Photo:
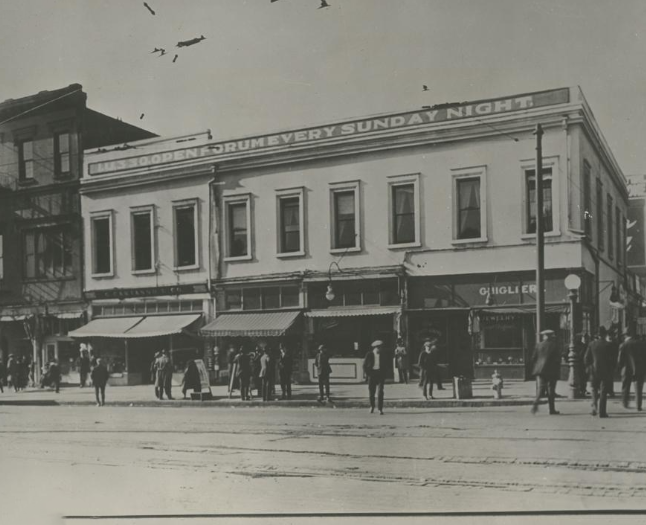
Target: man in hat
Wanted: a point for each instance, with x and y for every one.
(401, 360)
(266, 374)
(428, 367)
(84, 365)
(547, 368)
(323, 370)
(99, 380)
(600, 361)
(373, 368)
(632, 364)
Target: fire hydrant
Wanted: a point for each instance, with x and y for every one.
(496, 384)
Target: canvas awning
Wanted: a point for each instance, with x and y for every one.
(266, 324)
(159, 325)
(354, 312)
(135, 327)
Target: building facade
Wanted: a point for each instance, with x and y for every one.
(147, 259)
(412, 224)
(41, 232)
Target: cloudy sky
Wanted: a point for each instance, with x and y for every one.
(266, 66)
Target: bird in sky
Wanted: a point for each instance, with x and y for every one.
(191, 42)
(141, 116)
(149, 8)
(324, 4)
(175, 58)
(424, 87)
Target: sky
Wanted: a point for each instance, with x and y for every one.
(266, 66)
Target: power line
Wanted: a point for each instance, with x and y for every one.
(40, 106)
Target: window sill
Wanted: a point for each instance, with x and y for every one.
(287, 255)
(190, 268)
(345, 250)
(528, 236)
(102, 275)
(152, 271)
(27, 182)
(404, 245)
(238, 259)
(478, 240)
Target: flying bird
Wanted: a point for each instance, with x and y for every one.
(424, 87)
(142, 116)
(191, 42)
(149, 8)
(175, 58)
(324, 4)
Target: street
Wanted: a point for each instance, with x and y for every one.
(130, 461)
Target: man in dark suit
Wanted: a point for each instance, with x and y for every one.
(373, 368)
(266, 374)
(600, 361)
(285, 372)
(547, 368)
(323, 370)
(632, 364)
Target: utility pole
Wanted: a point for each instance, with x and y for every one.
(540, 239)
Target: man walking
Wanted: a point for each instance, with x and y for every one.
(266, 372)
(84, 365)
(12, 371)
(373, 368)
(55, 375)
(153, 375)
(243, 362)
(323, 370)
(547, 368)
(285, 372)
(427, 363)
(632, 364)
(168, 374)
(99, 380)
(401, 360)
(600, 362)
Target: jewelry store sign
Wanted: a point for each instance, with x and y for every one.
(403, 121)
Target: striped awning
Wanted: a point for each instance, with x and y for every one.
(114, 327)
(354, 312)
(135, 327)
(265, 324)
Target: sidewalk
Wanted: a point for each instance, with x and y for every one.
(343, 396)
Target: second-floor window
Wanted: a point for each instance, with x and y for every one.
(47, 254)
(102, 244)
(290, 224)
(142, 240)
(345, 233)
(530, 188)
(468, 196)
(185, 235)
(26, 160)
(62, 153)
(237, 221)
(587, 201)
(403, 213)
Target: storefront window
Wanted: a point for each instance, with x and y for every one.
(502, 334)
(251, 299)
(270, 298)
(289, 296)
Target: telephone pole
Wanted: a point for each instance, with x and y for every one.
(540, 239)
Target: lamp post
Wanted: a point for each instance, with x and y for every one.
(329, 293)
(573, 283)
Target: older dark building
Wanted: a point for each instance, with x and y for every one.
(42, 138)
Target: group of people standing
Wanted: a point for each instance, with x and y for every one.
(17, 373)
(161, 371)
(602, 357)
(258, 369)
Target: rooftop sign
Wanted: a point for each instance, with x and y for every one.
(411, 119)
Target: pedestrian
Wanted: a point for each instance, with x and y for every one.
(243, 368)
(255, 370)
(231, 355)
(632, 364)
(323, 370)
(285, 372)
(84, 365)
(160, 375)
(373, 368)
(428, 367)
(191, 379)
(12, 369)
(614, 338)
(93, 360)
(266, 373)
(3, 373)
(168, 374)
(99, 380)
(547, 368)
(153, 375)
(23, 373)
(600, 363)
(55, 375)
(401, 360)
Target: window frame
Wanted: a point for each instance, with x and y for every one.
(342, 187)
(587, 201)
(229, 200)
(618, 235)
(187, 203)
(44, 237)
(472, 172)
(548, 163)
(601, 240)
(94, 216)
(22, 162)
(139, 210)
(57, 153)
(281, 195)
(404, 180)
(610, 226)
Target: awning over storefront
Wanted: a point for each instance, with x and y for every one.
(135, 327)
(354, 312)
(159, 325)
(266, 324)
(109, 327)
(521, 309)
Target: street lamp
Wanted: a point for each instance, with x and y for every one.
(329, 293)
(573, 283)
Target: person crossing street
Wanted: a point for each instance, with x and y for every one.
(373, 368)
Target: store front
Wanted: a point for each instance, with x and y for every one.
(487, 323)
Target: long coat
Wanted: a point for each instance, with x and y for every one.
(322, 363)
(401, 357)
(99, 375)
(547, 360)
(266, 368)
(600, 360)
(632, 359)
(163, 372)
